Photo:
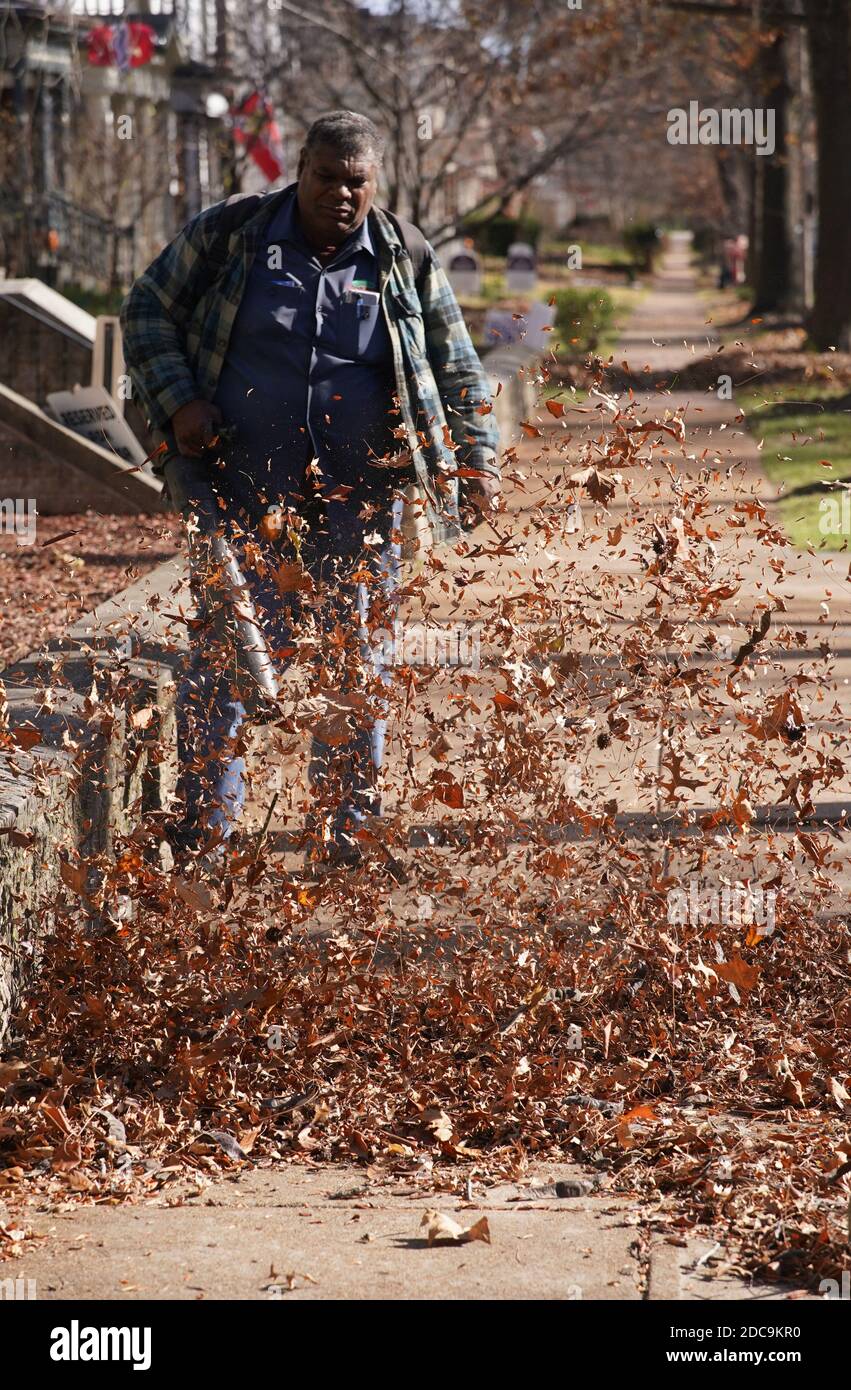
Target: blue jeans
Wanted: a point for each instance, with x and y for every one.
(214, 700)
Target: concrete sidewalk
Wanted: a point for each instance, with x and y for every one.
(331, 1233)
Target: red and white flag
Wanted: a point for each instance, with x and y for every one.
(125, 46)
(255, 128)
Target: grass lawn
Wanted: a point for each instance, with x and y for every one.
(599, 253)
(800, 426)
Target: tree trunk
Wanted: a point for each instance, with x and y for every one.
(771, 261)
(829, 38)
(733, 191)
(754, 220)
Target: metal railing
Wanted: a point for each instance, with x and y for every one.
(53, 233)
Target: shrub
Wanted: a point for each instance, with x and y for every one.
(641, 241)
(494, 236)
(94, 301)
(582, 318)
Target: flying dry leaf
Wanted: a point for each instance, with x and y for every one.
(446, 789)
(141, 718)
(74, 875)
(737, 972)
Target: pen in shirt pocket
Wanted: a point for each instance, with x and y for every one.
(365, 301)
(359, 294)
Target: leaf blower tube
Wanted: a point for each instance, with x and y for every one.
(218, 581)
(230, 589)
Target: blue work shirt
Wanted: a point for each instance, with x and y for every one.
(309, 370)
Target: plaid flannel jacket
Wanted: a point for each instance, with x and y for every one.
(177, 320)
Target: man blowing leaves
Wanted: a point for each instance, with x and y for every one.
(314, 339)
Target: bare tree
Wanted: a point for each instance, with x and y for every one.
(478, 100)
(829, 37)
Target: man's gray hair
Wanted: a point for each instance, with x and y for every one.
(347, 133)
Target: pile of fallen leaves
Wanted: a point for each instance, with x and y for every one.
(543, 984)
(682, 1061)
(74, 563)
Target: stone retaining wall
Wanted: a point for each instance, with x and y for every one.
(63, 801)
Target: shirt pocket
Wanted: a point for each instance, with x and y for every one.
(361, 333)
(283, 300)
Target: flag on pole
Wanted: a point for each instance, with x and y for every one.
(255, 128)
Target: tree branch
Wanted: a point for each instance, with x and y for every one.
(777, 14)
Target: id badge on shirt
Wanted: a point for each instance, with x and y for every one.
(366, 301)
